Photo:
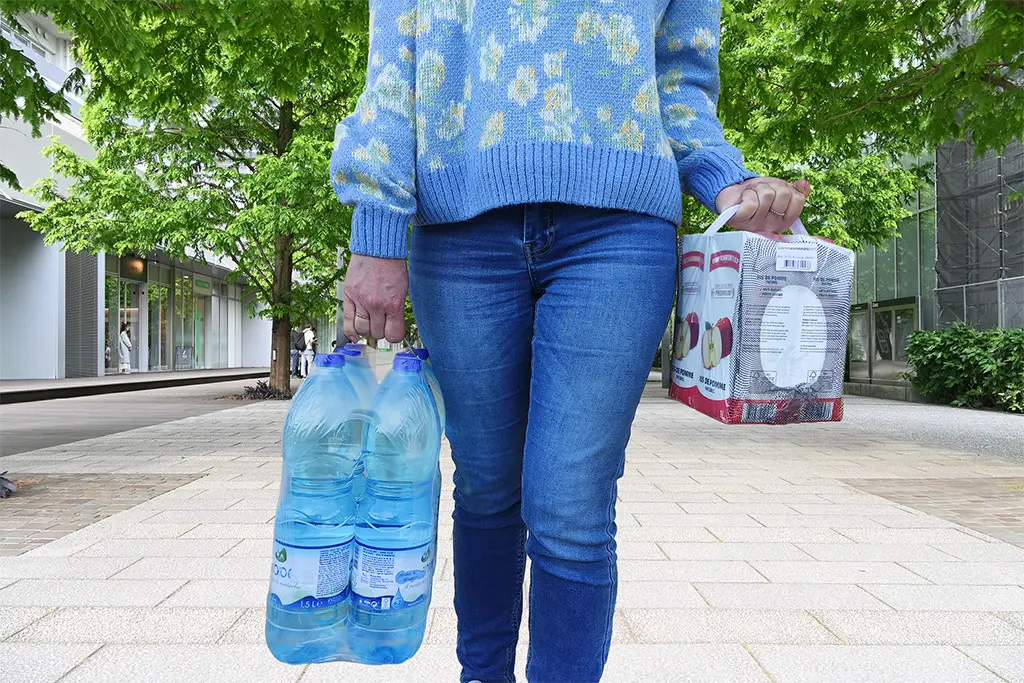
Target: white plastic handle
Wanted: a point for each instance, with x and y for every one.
(723, 218)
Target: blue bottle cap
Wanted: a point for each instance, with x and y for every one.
(330, 360)
(354, 349)
(407, 361)
(348, 352)
(423, 354)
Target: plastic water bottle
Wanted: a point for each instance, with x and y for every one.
(315, 524)
(359, 370)
(428, 370)
(395, 547)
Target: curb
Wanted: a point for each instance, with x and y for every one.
(28, 395)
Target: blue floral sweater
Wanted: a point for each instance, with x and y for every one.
(475, 104)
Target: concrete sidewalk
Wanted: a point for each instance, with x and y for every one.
(803, 553)
(21, 391)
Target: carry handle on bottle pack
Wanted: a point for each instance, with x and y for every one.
(761, 324)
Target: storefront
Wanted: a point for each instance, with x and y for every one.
(178, 318)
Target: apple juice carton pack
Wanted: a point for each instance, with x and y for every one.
(761, 325)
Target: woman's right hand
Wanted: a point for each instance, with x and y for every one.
(374, 299)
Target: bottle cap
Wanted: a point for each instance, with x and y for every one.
(407, 361)
(423, 354)
(330, 360)
(351, 349)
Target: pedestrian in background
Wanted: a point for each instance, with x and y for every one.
(124, 349)
(298, 342)
(308, 350)
(541, 150)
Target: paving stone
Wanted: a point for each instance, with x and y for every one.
(725, 626)
(988, 552)
(973, 573)
(683, 519)
(87, 593)
(675, 534)
(874, 552)
(136, 530)
(28, 567)
(780, 535)
(13, 619)
(32, 664)
(129, 625)
(1015, 618)
(250, 627)
(251, 547)
(920, 628)
(869, 663)
(176, 547)
(237, 531)
(950, 598)
(639, 550)
(733, 551)
(211, 593)
(196, 516)
(695, 663)
(788, 596)
(1005, 660)
(662, 594)
(794, 521)
(171, 663)
(835, 572)
(901, 536)
(227, 568)
(687, 570)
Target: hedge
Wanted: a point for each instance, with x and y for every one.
(962, 366)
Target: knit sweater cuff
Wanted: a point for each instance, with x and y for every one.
(713, 172)
(379, 232)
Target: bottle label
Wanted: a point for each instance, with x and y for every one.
(388, 579)
(304, 577)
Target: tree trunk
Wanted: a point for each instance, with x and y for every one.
(280, 363)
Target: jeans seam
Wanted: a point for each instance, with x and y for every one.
(517, 606)
(610, 617)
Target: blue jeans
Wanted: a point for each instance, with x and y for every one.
(295, 362)
(542, 322)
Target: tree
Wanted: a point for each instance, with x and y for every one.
(213, 133)
(838, 91)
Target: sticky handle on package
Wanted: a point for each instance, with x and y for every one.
(797, 228)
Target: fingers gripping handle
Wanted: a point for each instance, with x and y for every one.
(797, 228)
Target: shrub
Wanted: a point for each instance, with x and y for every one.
(962, 366)
(264, 392)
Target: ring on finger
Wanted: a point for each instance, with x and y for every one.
(361, 316)
(772, 211)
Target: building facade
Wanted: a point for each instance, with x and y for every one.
(959, 257)
(60, 312)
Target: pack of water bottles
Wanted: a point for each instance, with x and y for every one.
(355, 537)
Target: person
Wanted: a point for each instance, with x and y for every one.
(298, 345)
(124, 349)
(309, 349)
(540, 152)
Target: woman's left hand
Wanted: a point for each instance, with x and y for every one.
(766, 204)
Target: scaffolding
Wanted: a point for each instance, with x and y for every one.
(979, 236)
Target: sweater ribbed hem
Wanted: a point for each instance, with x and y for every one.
(534, 172)
(705, 173)
(379, 232)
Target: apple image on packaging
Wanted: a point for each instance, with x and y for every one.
(716, 343)
(687, 334)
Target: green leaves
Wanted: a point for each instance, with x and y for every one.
(962, 366)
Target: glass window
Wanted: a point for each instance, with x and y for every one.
(184, 322)
(885, 272)
(865, 275)
(927, 246)
(111, 312)
(908, 271)
(159, 317)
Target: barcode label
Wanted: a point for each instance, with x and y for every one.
(796, 256)
(758, 412)
(816, 412)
